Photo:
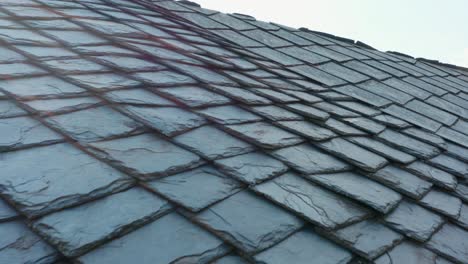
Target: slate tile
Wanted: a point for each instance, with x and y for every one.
(10, 109)
(334, 96)
(443, 203)
(276, 113)
(407, 88)
(145, 156)
(230, 259)
(336, 56)
(335, 110)
(206, 75)
(309, 160)
(402, 181)
(425, 136)
(354, 154)
(137, 97)
(453, 136)
(425, 85)
(168, 239)
(75, 38)
(231, 22)
(237, 38)
(368, 239)
(457, 151)
(129, 209)
(407, 144)
(194, 96)
(342, 72)
(386, 68)
(359, 188)
(450, 242)
(19, 69)
(7, 213)
(463, 218)
(367, 70)
(321, 207)
(364, 95)
(249, 222)
(308, 130)
(382, 149)
(385, 91)
(301, 248)
(432, 112)
(317, 75)
(63, 105)
(461, 126)
(440, 84)
(447, 106)
(276, 96)
(435, 175)
(462, 192)
(365, 124)
(276, 56)
(19, 245)
(51, 24)
(201, 20)
(457, 99)
(342, 128)
(8, 55)
(391, 121)
(212, 143)
(228, 115)
(413, 117)
(94, 124)
(242, 95)
(451, 165)
(265, 135)
(24, 36)
(409, 252)
(308, 111)
(303, 55)
(360, 108)
(266, 38)
(103, 81)
(129, 64)
(195, 189)
(403, 68)
(37, 186)
(312, 37)
(164, 78)
(71, 66)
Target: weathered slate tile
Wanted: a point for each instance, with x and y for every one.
(75, 38)
(303, 55)
(237, 38)
(342, 128)
(386, 68)
(348, 51)
(342, 72)
(309, 160)
(382, 149)
(447, 106)
(354, 154)
(167, 120)
(425, 85)
(37, 186)
(8, 55)
(137, 97)
(409, 252)
(231, 21)
(413, 117)
(275, 95)
(276, 113)
(7, 213)
(365, 124)
(312, 202)
(57, 106)
(457, 99)
(413, 221)
(360, 188)
(385, 91)
(451, 165)
(194, 96)
(301, 248)
(364, 95)
(462, 192)
(71, 66)
(312, 37)
(435, 175)
(336, 56)
(145, 156)
(228, 115)
(453, 136)
(103, 81)
(368, 238)
(94, 124)
(391, 121)
(366, 69)
(24, 36)
(443, 203)
(450, 242)
(10, 109)
(402, 181)
(407, 88)
(305, 96)
(129, 210)
(212, 143)
(308, 130)
(283, 33)
(432, 112)
(20, 245)
(461, 126)
(317, 75)
(242, 95)
(265, 135)
(334, 96)
(22, 132)
(457, 151)
(230, 259)
(168, 239)
(407, 144)
(462, 219)
(251, 168)
(164, 78)
(266, 38)
(308, 111)
(246, 220)
(335, 110)
(425, 136)
(129, 64)
(276, 56)
(195, 189)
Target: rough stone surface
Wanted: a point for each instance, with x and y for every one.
(450, 241)
(402, 181)
(443, 203)
(409, 252)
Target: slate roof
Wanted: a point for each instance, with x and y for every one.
(161, 132)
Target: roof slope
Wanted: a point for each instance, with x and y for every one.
(161, 132)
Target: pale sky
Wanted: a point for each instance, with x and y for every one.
(433, 29)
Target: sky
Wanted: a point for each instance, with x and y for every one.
(432, 29)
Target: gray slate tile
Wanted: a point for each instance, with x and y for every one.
(365, 124)
(63, 105)
(129, 210)
(276, 113)
(242, 95)
(451, 165)
(385, 91)
(435, 175)
(304, 55)
(454, 136)
(249, 222)
(382, 149)
(317, 75)
(137, 97)
(407, 144)
(103, 81)
(432, 112)
(371, 193)
(426, 136)
(447, 106)
(308, 111)
(402, 181)
(276, 56)
(450, 241)
(194, 96)
(409, 252)
(230, 259)
(414, 221)
(443, 203)
(316, 204)
(37, 186)
(228, 115)
(7, 213)
(195, 189)
(413, 117)
(364, 95)
(301, 248)
(308, 130)
(164, 78)
(328, 53)
(342, 128)
(407, 88)
(342, 72)
(266, 38)
(391, 121)
(367, 70)
(335, 110)
(10, 109)
(170, 238)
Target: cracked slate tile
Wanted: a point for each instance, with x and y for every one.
(312, 202)
(228, 115)
(171, 238)
(251, 168)
(303, 247)
(103, 81)
(342, 72)
(212, 143)
(451, 165)
(360, 188)
(310, 160)
(18, 244)
(7, 55)
(308, 111)
(443, 203)
(195, 189)
(23, 132)
(265, 135)
(450, 241)
(169, 121)
(145, 156)
(94, 124)
(249, 222)
(409, 252)
(10, 109)
(413, 221)
(462, 220)
(7, 213)
(276, 113)
(37, 186)
(365, 124)
(129, 209)
(462, 192)
(308, 130)
(194, 96)
(435, 175)
(402, 181)
(407, 144)
(137, 97)
(353, 154)
(368, 238)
